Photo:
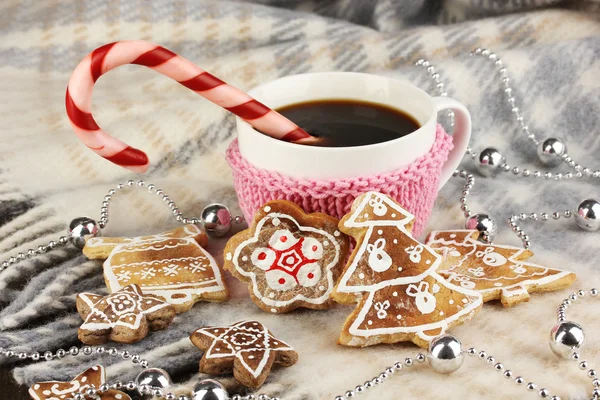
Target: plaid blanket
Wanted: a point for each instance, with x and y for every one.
(47, 177)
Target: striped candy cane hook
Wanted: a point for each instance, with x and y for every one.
(103, 59)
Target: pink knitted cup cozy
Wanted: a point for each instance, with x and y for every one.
(414, 186)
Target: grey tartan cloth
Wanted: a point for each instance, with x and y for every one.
(47, 177)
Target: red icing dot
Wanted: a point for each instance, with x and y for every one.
(281, 281)
(310, 275)
(262, 256)
(314, 248)
(283, 239)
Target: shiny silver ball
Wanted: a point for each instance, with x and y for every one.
(445, 354)
(81, 229)
(154, 378)
(588, 215)
(209, 389)
(550, 151)
(565, 338)
(484, 224)
(488, 162)
(216, 219)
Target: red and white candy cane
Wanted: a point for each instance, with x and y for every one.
(105, 58)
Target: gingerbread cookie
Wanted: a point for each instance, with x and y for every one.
(393, 278)
(497, 272)
(290, 259)
(247, 348)
(125, 316)
(92, 377)
(172, 265)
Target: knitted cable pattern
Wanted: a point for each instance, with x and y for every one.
(414, 186)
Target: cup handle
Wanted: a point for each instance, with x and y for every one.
(460, 137)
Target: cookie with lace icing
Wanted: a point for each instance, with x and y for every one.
(289, 259)
(93, 377)
(172, 265)
(393, 278)
(247, 348)
(125, 316)
(498, 272)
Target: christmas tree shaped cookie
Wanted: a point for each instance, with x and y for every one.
(497, 272)
(393, 278)
(171, 265)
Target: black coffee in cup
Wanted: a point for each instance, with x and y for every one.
(347, 123)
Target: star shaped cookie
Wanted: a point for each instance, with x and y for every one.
(92, 377)
(125, 316)
(498, 272)
(247, 348)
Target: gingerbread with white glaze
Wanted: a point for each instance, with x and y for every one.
(498, 272)
(172, 265)
(93, 377)
(289, 259)
(125, 316)
(247, 348)
(393, 278)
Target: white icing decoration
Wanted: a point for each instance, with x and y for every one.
(379, 260)
(262, 340)
(382, 308)
(379, 208)
(267, 208)
(276, 222)
(309, 275)
(414, 253)
(379, 198)
(537, 274)
(185, 291)
(312, 248)
(280, 280)
(282, 240)
(469, 308)
(328, 269)
(424, 300)
(228, 256)
(263, 257)
(345, 287)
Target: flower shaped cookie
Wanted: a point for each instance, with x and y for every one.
(290, 259)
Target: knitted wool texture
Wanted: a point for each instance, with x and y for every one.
(414, 186)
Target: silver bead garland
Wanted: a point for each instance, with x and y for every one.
(445, 355)
(216, 220)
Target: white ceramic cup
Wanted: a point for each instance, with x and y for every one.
(327, 163)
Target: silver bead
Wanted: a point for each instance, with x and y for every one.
(588, 215)
(153, 378)
(445, 354)
(488, 162)
(565, 338)
(482, 223)
(209, 389)
(216, 219)
(81, 229)
(550, 151)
